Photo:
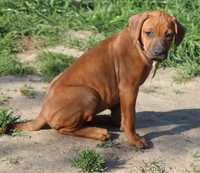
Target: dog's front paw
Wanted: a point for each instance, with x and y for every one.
(139, 142)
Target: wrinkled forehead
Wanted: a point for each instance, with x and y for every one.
(159, 24)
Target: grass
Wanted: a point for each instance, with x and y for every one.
(7, 118)
(195, 165)
(153, 89)
(10, 66)
(196, 156)
(81, 44)
(28, 91)
(89, 161)
(3, 99)
(107, 144)
(51, 19)
(11, 159)
(179, 92)
(51, 64)
(156, 166)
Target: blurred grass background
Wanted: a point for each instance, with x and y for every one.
(49, 20)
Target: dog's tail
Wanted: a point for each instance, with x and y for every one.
(32, 125)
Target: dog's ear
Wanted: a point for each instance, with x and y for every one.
(135, 23)
(179, 31)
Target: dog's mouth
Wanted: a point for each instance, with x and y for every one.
(159, 58)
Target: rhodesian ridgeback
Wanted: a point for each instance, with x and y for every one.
(108, 76)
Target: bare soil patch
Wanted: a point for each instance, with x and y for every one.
(168, 114)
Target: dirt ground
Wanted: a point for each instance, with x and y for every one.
(168, 114)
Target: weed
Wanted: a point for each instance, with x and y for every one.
(150, 89)
(3, 99)
(195, 165)
(89, 161)
(51, 64)
(84, 44)
(196, 156)
(28, 91)
(156, 166)
(9, 65)
(7, 118)
(178, 92)
(15, 132)
(107, 144)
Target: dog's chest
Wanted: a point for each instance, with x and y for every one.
(144, 74)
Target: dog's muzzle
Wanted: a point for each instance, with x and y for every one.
(159, 52)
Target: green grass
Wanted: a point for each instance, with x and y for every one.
(10, 66)
(178, 91)
(89, 161)
(3, 99)
(51, 64)
(153, 89)
(81, 44)
(196, 162)
(108, 144)
(28, 91)
(7, 118)
(51, 19)
(156, 166)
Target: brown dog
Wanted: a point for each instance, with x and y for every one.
(108, 76)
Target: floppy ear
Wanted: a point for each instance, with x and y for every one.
(179, 32)
(135, 23)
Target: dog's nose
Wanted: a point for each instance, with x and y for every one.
(159, 51)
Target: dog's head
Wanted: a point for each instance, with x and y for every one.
(155, 31)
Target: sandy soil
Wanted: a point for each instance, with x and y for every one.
(168, 114)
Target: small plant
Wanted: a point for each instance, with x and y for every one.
(196, 156)
(10, 66)
(51, 64)
(195, 165)
(150, 90)
(107, 144)
(154, 167)
(178, 92)
(15, 132)
(7, 119)
(84, 44)
(89, 161)
(28, 91)
(3, 99)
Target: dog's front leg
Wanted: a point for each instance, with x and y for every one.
(128, 96)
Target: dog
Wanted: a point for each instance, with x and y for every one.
(108, 76)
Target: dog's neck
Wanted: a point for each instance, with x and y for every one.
(125, 39)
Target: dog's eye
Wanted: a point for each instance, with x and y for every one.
(169, 35)
(149, 33)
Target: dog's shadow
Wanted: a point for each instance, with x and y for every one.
(182, 120)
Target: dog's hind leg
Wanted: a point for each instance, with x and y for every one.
(87, 132)
(79, 107)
